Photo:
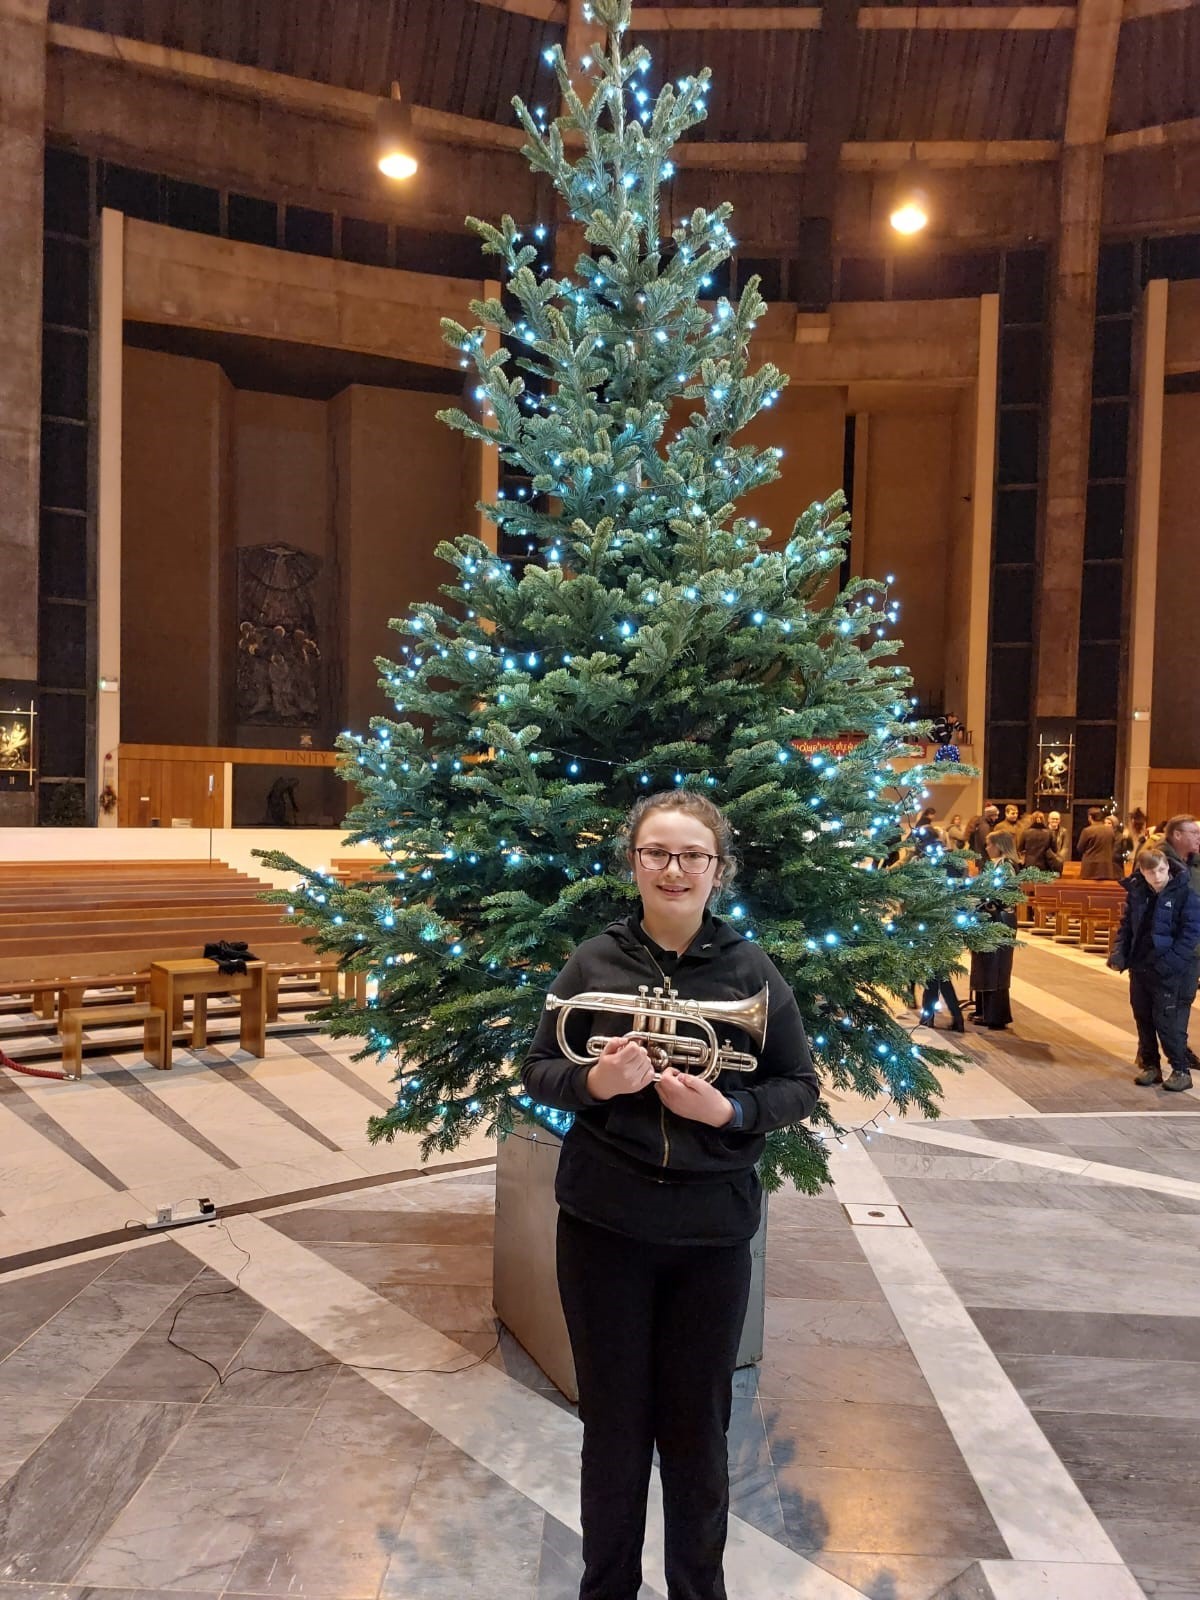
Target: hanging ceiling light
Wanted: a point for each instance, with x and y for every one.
(910, 199)
(396, 153)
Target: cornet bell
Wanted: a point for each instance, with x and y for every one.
(655, 1021)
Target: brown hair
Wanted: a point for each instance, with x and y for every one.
(1038, 819)
(1173, 823)
(1150, 858)
(692, 805)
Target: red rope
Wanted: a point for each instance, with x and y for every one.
(33, 1072)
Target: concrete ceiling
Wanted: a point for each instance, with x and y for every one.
(934, 73)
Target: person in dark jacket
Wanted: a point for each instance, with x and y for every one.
(659, 1198)
(991, 972)
(1035, 845)
(1060, 838)
(1156, 945)
(1181, 846)
(977, 831)
(1096, 846)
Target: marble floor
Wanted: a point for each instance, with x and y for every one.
(981, 1373)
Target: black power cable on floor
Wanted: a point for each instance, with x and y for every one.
(317, 1366)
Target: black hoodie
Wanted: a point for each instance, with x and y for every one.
(630, 1164)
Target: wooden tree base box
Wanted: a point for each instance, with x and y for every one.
(524, 1283)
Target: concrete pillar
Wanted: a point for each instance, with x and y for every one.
(483, 461)
(974, 712)
(108, 506)
(1073, 319)
(22, 141)
(858, 495)
(22, 123)
(1072, 335)
(1139, 695)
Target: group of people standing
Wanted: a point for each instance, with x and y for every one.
(1157, 943)
(1039, 839)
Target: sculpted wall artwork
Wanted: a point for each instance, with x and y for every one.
(278, 659)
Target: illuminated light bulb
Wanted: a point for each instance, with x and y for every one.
(395, 151)
(910, 202)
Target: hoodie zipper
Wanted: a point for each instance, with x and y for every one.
(662, 1110)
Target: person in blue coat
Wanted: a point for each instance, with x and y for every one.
(1156, 945)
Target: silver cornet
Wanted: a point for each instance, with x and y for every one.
(655, 1019)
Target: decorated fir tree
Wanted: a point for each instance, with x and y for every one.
(659, 639)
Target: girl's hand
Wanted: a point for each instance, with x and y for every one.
(623, 1067)
(694, 1098)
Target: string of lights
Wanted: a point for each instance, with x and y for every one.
(630, 633)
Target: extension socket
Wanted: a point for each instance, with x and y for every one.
(167, 1217)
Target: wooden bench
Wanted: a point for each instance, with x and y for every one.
(50, 998)
(153, 1038)
(68, 928)
(171, 982)
(325, 971)
(1099, 924)
(359, 869)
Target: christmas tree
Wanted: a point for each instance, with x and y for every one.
(658, 639)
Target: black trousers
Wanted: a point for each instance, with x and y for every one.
(654, 1331)
(943, 987)
(1162, 1009)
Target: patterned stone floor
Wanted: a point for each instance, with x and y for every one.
(1001, 1399)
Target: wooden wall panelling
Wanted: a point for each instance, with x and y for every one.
(161, 789)
(1171, 791)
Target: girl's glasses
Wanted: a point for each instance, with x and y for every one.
(694, 862)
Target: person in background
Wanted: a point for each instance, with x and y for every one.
(1060, 839)
(1136, 837)
(659, 1199)
(991, 972)
(1156, 945)
(1012, 816)
(1180, 843)
(1121, 843)
(926, 837)
(1001, 845)
(1096, 848)
(977, 831)
(939, 992)
(1035, 845)
(1181, 846)
(956, 834)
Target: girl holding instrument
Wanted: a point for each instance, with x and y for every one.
(658, 1194)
